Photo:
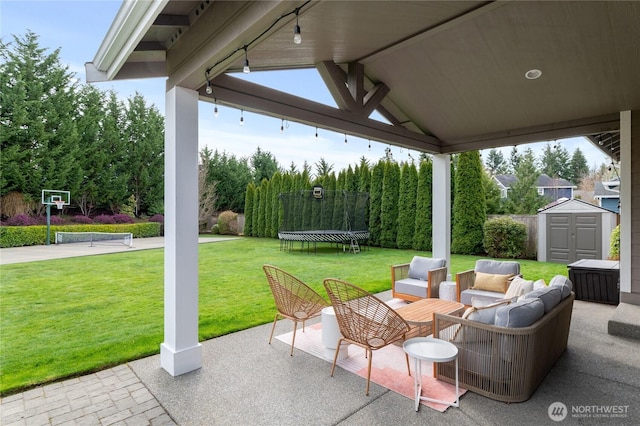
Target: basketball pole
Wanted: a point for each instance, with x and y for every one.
(48, 224)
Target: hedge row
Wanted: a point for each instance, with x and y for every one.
(18, 236)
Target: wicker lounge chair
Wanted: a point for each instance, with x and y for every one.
(294, 299)
(364, 320)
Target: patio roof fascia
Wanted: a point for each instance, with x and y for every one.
(131, 23)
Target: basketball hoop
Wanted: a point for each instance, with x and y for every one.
(59, 204)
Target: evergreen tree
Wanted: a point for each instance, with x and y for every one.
(263, 200)
(389, 210)
(39, 139)
(496, 164)
(264, 165)
(422, 239)
(514, 159)
(555, 161)
(248, 209)
(523, 197)
(232, 176)
(492, 194)
(469, 205)
(255, 215)
(375, 203)
(113, 179)
(144, 134)
(407, 206)
(579, 168)
(275, 187)
(323, 168)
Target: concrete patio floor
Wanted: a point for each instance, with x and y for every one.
(246, 381)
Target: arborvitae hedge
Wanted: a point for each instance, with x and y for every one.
(407, 206)
(389, 212)
(275, 189)
(469, 206)
(248, 209)
(375, 203)
(423, 226)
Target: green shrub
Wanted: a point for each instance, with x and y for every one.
(614, 250)
(505, 238)
(215, 229)
(228, 223)
(18, 236)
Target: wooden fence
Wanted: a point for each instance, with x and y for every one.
(531, 222)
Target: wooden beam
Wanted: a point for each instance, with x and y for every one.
(336, 81)
(355, 83)
(254, 97)
(373, 98)
(551, 131)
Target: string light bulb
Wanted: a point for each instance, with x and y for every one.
(316, 132)
(246, 68)
(215, 108)
(345, 138)
(369, 144)
(242, 117)
(297, 36)
(209, 89)
(282, 127)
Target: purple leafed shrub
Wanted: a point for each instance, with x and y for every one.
(104, 218)
(122, 218)
(54, 220)
(157, 218)
(82, 219)
(21, 220)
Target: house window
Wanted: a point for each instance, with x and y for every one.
(540, 191)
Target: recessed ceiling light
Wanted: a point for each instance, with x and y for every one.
(532, 74)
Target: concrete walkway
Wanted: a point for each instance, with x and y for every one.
(245, 381)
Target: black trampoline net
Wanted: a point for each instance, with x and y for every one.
(320, 210)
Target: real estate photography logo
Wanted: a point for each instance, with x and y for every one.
(558, 411)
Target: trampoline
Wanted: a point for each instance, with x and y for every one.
(322, 216)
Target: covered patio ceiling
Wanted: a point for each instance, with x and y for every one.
(448, 76)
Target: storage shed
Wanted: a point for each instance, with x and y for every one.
(572, 230)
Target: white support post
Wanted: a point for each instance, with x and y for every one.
(181, 352)
(441, 207)
(626, 170)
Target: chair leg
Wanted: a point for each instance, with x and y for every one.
(370, 352)
(406, 355)
(293, 340)
(273, 327)
(335, 356)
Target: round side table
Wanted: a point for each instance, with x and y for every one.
(433, 350)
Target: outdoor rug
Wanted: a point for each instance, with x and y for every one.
(388, 367)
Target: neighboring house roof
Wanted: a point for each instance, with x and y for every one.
(600, 191)
(544, 181)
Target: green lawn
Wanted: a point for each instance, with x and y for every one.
(67, 317)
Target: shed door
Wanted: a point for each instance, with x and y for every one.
(574, 236)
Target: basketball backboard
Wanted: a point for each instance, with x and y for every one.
(52, 197)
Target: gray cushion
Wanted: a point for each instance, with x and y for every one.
(484, 310)
(550, 296)
(497, 267)
(520, 314)
(412, 286)
(420, 266)
(467, 295)
(564, 283)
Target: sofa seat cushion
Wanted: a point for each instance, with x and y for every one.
(520, 314)
(467, 295)
(550, 296)
(420, 266)
(412, 286)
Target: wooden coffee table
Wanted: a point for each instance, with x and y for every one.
(419, 314)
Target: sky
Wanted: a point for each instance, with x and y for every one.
(78, 27)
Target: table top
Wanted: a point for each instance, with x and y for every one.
(595, 264)
(430, 349)
(421, 311)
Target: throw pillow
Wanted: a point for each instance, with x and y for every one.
(520, 314)
(518, 287)
(492, 282)
(539, 284)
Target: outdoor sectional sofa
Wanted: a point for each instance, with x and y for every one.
(508, 363)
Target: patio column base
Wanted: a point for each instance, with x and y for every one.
(182, 361)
